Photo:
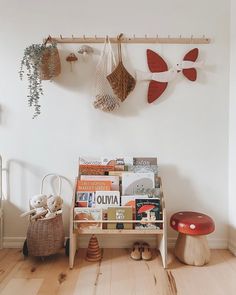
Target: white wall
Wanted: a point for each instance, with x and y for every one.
(232, 133)
(187, 127)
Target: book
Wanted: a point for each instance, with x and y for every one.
(88, 214)
(93, 185)
(130, 200)
(119, 214)
(119, 163)
(105, 199)
(148, 210)
(133, 182)
(95, 169)
(113, 179)
(144, 161)
(85, 199)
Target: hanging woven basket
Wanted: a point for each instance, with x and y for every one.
(50, 63)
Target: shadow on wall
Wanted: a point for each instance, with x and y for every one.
(180, 195)
(21, 179)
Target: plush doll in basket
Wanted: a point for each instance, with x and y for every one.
(38, 207)
(54, 206)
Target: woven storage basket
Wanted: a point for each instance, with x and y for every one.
(50, 64)
(46, 236)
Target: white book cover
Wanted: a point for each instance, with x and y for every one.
(117, 161)
(105, 199)
(132, 183)
(114, 180)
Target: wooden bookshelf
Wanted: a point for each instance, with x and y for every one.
(75, 233)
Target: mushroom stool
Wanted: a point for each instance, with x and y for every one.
(191, 246)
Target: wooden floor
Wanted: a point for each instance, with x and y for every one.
(115, 274)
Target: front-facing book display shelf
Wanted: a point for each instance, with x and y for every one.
(105, 226)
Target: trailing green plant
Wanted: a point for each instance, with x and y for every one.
(41, 62)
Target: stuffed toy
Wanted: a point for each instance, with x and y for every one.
(38, 205)
(54, 205)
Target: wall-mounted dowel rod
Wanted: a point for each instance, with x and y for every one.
(134, 40)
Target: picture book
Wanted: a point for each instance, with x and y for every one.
(119, 163)
(148, 210)
(93, 185)
(133, 182)
(85, 199)
(90, 161)
(95, 169)
(130, 200)
(105, 199)
(119, 214)
(113, 179)
(88, 214)
(144, 161)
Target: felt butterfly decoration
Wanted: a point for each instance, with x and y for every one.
(161, 75)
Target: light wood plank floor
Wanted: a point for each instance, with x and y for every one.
(115, 274)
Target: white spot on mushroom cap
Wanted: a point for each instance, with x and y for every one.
(200, 216)
(181, 213)
(173, 222)
(192, 226)
(181, 225)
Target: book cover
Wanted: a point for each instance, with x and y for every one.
(148, 210)
(95, 169)
(119, 214)
(85, 199)
(93, 185)
(88, 214)
(90, 161)
(105, 199)
(113, 179)
(133, 182)
(144, 161)
(119, 163)
(130, 200)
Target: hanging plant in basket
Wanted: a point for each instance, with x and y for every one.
(42, 62)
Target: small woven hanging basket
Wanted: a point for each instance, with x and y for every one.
(50, 63)
(121, 81)
(45, 236)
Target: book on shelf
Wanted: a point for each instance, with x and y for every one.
(85, 199)
(88, 214)
(113, 179)
(133, 182)
(105, 199)
(119, 214)
(148, 210)
(95, 169)
(144, 161)
(93, 185)
(130, 200)
(119, 163)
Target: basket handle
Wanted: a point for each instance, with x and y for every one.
(59, 182)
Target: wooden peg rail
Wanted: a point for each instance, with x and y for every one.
(134, 40)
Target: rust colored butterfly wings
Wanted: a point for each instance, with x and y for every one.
(162, 74)
(156, 64)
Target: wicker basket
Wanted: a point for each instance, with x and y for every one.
(51, 64)
(45, 236)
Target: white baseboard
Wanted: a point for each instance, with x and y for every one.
(232, 247)
(124, 242)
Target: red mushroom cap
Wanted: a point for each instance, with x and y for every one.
(192, 223)
(145, 208)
